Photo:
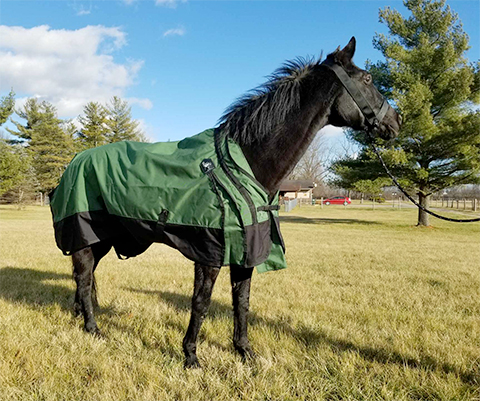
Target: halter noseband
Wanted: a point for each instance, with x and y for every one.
(373, 115)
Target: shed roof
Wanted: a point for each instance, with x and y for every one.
(296, 185)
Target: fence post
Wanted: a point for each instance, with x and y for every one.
(321, 202)
(474, 205)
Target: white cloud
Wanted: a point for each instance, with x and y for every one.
(174, 32)
(165, 3)
(66, 67)
(143, 103)
(168, 3)
(83, 11)
(147, 129)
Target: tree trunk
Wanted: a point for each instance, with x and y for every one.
(423, 218)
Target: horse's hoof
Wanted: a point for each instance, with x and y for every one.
(246, 353)
(192, 363)
(94, 331)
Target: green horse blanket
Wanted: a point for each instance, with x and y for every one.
(198, 195)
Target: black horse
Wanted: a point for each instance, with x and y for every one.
(274, 126)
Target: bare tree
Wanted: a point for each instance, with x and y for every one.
(313, 165)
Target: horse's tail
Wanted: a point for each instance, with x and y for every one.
(51, 193)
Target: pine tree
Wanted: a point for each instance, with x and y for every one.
(48, 139)
(7, 106)
(428, 78)
(32, 113)
(94, 130)
(14, 165)
(120, 123)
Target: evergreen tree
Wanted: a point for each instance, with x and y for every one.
(94, 130)
(120, 123)
(48, 139)
(14, 165)
(426, 75)
(32, 113)
(7, 106)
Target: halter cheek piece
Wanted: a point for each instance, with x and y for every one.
(373, 115)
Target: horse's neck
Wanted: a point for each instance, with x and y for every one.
(273, 158)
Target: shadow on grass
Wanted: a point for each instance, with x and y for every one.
(319, 220)
(34, 288)
(29, 286)
(312, 338)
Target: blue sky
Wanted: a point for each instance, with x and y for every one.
(179, 63)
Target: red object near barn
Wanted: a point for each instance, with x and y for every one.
(337, 200)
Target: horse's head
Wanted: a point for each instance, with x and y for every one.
(359, 104)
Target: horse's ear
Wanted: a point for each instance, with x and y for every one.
(349, 50)
(333, 55)
(345, 55)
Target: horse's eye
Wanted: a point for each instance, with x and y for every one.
(368, 79)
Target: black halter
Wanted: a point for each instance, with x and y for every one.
(373, 115)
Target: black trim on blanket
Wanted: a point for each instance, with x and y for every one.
(131, 237)
(259, 243)
(208, 166)
(95, 226)
(232, 178)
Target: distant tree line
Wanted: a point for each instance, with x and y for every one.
(42, 145)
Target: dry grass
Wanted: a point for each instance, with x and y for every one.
(370, 308)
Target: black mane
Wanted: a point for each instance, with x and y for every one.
(256, 114)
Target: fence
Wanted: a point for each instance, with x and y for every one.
(465, 204)
(290, 204)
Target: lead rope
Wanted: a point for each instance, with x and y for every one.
(408, 196)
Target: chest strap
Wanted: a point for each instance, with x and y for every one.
(268, 208)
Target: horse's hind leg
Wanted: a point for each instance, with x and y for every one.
(241, 278)
(205, 277)
(84, 263)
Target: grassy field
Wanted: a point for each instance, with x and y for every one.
(370, 308)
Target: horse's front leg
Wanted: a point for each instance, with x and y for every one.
(241, 278)
(205, 277)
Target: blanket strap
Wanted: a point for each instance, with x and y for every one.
(268, 208)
